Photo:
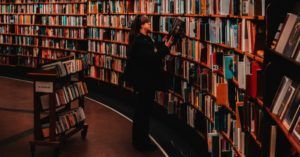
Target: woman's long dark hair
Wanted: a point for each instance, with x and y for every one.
(134, 31)
(135, 28)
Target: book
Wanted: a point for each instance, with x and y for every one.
(284, 85)
(45, 101)
(243, 69)
(229, 67)
(290, 21)
(277, 35)
(293, 40)
(296, 130)
(291, 111)
(294, 119)
(297, 54)
(177, 31)
(57, 66)
(286, 101)
(222, 94)
(272, 152)
(255, 67)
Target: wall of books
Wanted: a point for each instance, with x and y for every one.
(282, 79)
(216, 71)
(44, 29)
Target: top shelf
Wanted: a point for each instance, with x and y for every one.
(260, 18)
(30, 3)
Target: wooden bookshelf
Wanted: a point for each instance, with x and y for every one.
(277, 13)
(175, 94)
(287, 59)
(43, 14)
(198, 110)
(30, 3)
(259, 18)
(109, 41)
(294, 142)
(7, 55)
(111, 55)
(43, 25)
(104, 81)
(258, 143)
(58, 37)
(54, 82)
(43, 36)
(13, 34)
(106, 27)
(89, 12)
(62, 49)
(231, 143)
(229, 109)
(117, 71)
(248, 54)
(17, 45)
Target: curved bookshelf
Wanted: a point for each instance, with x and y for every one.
(231, 143)
(91, 53)
(294, 142)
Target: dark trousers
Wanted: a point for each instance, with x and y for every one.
(141, 119)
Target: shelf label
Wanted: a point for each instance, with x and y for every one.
(44, 87)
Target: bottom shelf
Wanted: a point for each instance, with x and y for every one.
(56, 143)
(63, 136)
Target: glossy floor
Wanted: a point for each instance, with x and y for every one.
(109, 134)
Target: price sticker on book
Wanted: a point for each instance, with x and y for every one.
(44, 87)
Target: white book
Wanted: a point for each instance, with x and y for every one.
(286, 101)
(45, 101)
(224, 7)
(243, 35)
(245, 7)
(273, 141)
(242, 148)
(283, 87)
(251, 8)
(284, 36)
(81, 113)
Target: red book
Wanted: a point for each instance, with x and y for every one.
(255, 67)
(249, 85)
(222, 94)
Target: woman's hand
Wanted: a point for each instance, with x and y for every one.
(168, 44)
(168, 40)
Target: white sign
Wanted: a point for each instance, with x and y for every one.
(44, 87)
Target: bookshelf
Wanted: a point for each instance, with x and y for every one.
(59, 91)
(196, 53)
(41, 30)
(107, 40)
(219, 34)
(279, 124)
(18, 41)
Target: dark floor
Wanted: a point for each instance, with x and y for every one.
(109, 134)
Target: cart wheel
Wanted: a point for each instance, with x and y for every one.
(83, 134)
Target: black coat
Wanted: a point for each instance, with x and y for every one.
(144, 66)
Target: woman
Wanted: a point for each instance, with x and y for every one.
(144, 71)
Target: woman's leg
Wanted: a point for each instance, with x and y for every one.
(140, 128)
